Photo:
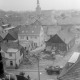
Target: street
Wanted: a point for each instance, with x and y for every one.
(32, 70)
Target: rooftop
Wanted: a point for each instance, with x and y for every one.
(12, 50)
(74, 57)
(66, 35)
(32, 29)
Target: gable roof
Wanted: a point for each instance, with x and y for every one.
(53, 30)
(3, 34)
(74, 57)
(32, 29)
(69, 70)
(66, 35)
(55, 39)
(45, 17)
(69, 20)
(11, 36)
(14, 45)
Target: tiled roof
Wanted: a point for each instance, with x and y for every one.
(65, 35)
(45, 18)
(32, 29)
(69, 20)
(53, 30)
(3, 34)
(11, 36)
(55, 39)
(1, 28)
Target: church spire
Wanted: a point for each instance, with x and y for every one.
(37, 2)
(38, 9)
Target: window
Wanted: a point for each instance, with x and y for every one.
(11, 63)
(22, 51)
(19, 61)
(10, 54)
(27, 37)
(21, 37)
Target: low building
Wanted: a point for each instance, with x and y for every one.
(64, 40)
(52, 30)
(13, 54)
(13, 58)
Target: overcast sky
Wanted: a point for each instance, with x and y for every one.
(22, 5)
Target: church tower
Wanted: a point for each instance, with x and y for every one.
(38, 9)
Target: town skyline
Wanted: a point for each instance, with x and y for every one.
(30, 5)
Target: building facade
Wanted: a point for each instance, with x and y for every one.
(31, 36)
(13, 58)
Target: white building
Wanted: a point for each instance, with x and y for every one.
(13, 57)
(31, 36)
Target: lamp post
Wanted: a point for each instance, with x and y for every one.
(38, 57)
(1, 65)
(38, 66)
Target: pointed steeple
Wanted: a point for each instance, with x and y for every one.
(38, 9)
(37, 2)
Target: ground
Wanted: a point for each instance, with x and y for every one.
(32, 70)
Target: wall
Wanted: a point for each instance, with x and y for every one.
(18, 57)
(8, 63)
(34, 38)
(39, 39)
(71, 43)
(10, 57)
(42, 35)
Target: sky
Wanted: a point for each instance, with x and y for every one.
(28, 5)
